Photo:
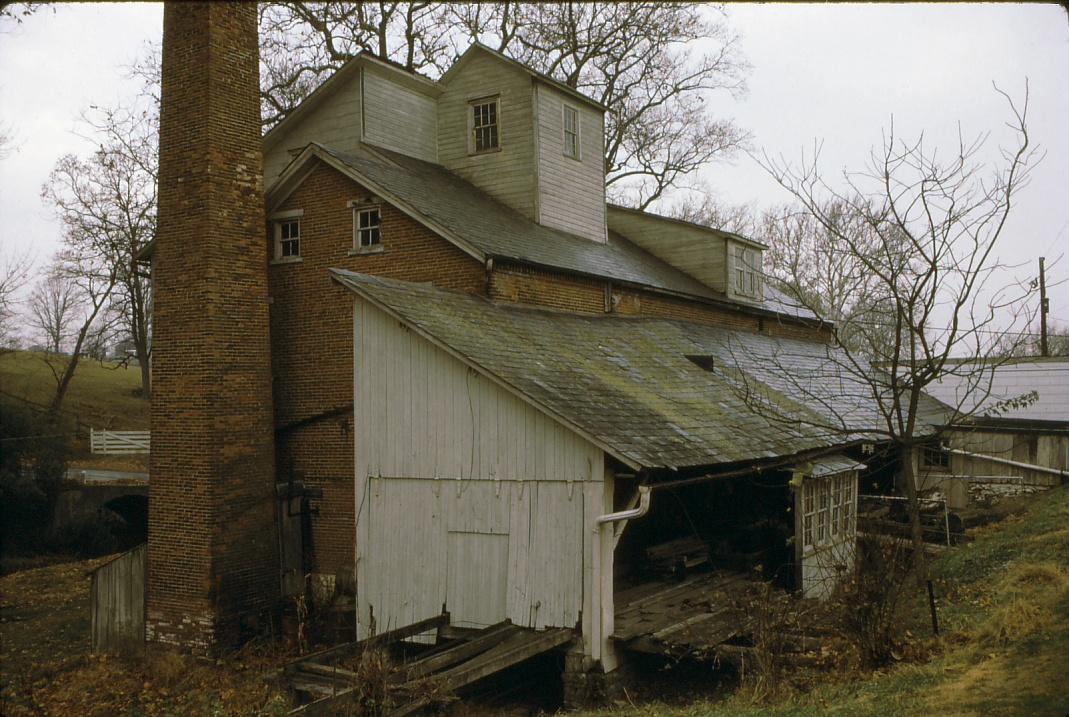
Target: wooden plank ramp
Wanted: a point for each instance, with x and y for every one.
(455, 663)
(681, 618)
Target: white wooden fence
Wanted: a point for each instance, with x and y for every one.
(119, 442)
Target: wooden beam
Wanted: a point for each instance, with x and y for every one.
(491, 637)
(339, 652)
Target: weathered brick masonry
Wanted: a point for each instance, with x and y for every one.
(591, 295)
(213, 547)
(312, 333)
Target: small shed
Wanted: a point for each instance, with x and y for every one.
(500, 450)
(1006, 447)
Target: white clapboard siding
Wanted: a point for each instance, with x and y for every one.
(507, 175)
(571, 192)
(466, 495)
(335, 122)
(399, 118)
(119, 442)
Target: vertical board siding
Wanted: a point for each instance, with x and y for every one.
(466, 496)
(399, 118)
(571, 192)
(507, 175)
(335, 123)
(117, 603)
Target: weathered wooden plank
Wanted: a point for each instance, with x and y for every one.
(339, 652)
(489, 638)
(513, 651)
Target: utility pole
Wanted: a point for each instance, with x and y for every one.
(1044, 306)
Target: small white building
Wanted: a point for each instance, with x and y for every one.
(491, 440)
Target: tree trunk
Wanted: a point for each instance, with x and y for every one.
(146, 376)
(909, 479)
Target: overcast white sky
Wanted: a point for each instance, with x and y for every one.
(832, 72)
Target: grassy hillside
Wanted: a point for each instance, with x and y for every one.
(101, 395)
(1005, 643)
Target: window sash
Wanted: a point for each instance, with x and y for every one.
(571, 132)
(368, 224)
(484, 126)
(287, 238)
(827, 511)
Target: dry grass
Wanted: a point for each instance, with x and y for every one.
(45, 668)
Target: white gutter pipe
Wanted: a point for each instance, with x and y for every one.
(1008, 462)
(641, 510)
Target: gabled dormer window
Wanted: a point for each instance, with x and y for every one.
(483, 115)
(747, 279)
(571, 132)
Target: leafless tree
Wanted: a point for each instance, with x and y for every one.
(638, 59)
(107, 202)
(703, 206)
(90, 279)
(14, 271)
(918, 235)
(53, 306)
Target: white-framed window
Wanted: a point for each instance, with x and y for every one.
(827, 510)
(571, 132)
(286, 235)
(484, 115)
(367, 227)
(746, 279)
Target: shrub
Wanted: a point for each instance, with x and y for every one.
(868, 604)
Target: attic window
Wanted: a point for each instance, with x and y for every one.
(484, 129)
(571, 132)
(706, 363)
(746, 279)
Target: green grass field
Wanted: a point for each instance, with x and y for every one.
(101, 395)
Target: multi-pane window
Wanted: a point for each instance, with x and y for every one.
(287, 238)
(933, 456)
(484, 128)
(745, 271)
(828, 509)
(368, 227)
(571, 132)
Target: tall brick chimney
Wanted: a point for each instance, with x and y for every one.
(213, 545)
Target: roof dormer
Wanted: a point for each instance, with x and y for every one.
(727, 262)
(529, 141)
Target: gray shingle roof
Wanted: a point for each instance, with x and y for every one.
(499, 231)
(629, 384)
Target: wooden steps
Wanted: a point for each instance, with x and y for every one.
(456, 663)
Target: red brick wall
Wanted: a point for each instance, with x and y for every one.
(312, 335)
(212, 544)
(558, 290)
